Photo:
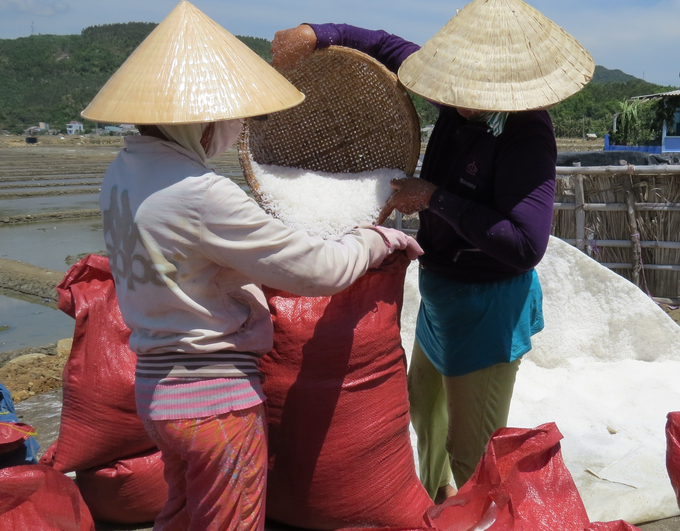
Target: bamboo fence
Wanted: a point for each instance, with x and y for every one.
(625, 217)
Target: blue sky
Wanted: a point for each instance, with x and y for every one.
(636, 36)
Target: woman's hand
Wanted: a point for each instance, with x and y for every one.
(396, 240)
(410, 195)
(292, 45)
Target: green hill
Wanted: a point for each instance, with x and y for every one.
(604, 75)
(591, 110)
(51, 78)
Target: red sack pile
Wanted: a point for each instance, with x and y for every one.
(338, 410)
(673, 451)
(100, 431)
(521, 483)
(36, 497)
(128, 491)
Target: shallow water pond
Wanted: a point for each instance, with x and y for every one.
(48, 244)
(27, 324)
(39, 205)
(94, 187)
(9, 186)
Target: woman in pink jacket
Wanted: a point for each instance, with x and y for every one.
(189, 251)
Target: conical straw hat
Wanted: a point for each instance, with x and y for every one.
(190, 69)
(498, 55)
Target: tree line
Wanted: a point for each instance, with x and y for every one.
(51, 78)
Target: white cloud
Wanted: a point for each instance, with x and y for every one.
(44, 8)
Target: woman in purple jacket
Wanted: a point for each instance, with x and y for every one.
(485, 200)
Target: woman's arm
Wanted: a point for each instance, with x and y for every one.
(390, 50)
(237, 233)
(292, 44)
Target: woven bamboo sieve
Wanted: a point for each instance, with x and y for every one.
(356, 117)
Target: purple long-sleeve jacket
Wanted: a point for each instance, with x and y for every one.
(491, 216)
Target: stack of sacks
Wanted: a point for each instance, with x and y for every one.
(17, 445)
(101, 438)
(605, 370)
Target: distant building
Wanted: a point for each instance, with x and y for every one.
(113, 129)
(73, 128)
(670, 135)
(32, 130)
(43, 126)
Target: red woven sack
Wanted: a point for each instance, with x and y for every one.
(36, 497)
(673, 451)
(130, 491)
(13, 435)
(99, 422)
(337, 408)
(521, 483)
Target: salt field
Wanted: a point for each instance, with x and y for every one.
(49, 244)
(42, 205)
(26, 322)
(29, 324)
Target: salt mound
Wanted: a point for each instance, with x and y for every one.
(605, 370)
(328, 205)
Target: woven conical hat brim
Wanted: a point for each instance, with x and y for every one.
(188, 70)
(498, 55)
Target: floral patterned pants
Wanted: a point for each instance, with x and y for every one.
(216, 470)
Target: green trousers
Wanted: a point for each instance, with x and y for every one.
(454, 417)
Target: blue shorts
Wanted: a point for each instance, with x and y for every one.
(463, 327)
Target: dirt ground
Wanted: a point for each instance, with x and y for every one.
(37, 372)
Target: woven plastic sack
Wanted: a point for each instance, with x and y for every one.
(337, 408)
(36, 497)
(673, 451)
(99, 422)
(17, 445)
(521, 483)
(130, 491)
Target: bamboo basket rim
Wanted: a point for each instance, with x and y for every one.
(329, 90)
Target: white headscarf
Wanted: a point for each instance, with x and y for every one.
(189, 136)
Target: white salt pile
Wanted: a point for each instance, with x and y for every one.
(605, 370)
(328, 205)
